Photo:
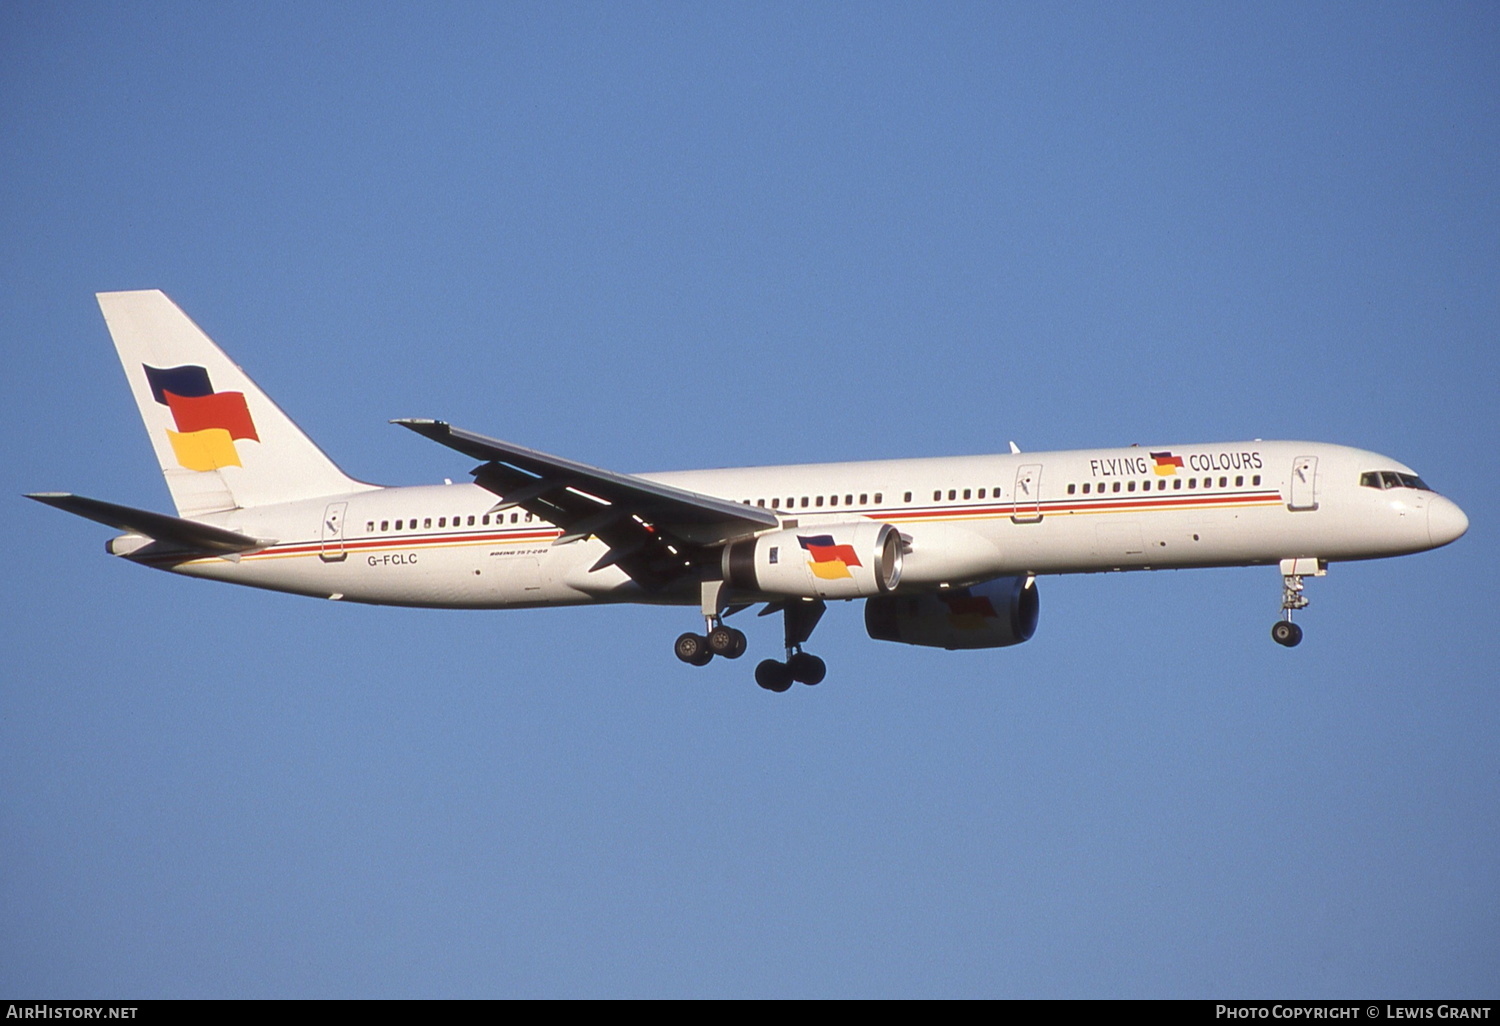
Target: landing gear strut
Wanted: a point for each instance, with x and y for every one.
(1284, 631)
(801, 617)
(720, 639)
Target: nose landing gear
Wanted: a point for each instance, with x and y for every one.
(1284, 631)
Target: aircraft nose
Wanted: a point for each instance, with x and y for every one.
(1445, 521)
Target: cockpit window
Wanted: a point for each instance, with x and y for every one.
(1392, 479)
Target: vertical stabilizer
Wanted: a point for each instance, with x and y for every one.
(221, 442)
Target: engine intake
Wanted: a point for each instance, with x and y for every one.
(990, 615)
(833, 561)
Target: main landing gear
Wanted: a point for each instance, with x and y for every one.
(801, 617)
(1284, 631)
(803, 667)
(720, 640)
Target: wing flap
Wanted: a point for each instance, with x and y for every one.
(655, 533)
(661, 504)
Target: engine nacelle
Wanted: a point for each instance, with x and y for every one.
(989, 615)
(833, 561)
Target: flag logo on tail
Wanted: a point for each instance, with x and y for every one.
(829, 561)
(208, 422)
(1167, 465)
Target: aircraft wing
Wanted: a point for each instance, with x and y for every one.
(652, 529)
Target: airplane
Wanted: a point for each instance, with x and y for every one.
(944, 552)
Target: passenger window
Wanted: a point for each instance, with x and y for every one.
(968, 493)
(1177, 485)
(877, 497)
(1192, 482)
(1116, 488)
(981, 493)
(486, 520)
(427, 522)
(776, 503)
(833, 500)
(1071, 489)
(370, 527)
(514, 517)
(936, 496)
(804, 502)
(864, 498)
(385, 525)
(849, 500)
(1255, 480)
(761, 503)
(1223, 482)
(442, 521)
(907, 499)
(952, 494)
(1239, 482)
(1130, 487)
(1085, 488)
(398, 525)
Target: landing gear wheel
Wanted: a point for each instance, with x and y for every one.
(807, 668)
(1284, 632)
(727, 642)
(773, 675)
(693, 649)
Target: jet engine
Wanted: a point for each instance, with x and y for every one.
(989, 615)
(828, 561)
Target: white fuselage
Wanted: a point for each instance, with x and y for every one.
(963, 519)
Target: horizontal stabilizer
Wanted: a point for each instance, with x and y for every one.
(188, 533)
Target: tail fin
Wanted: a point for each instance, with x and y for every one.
(221, 442)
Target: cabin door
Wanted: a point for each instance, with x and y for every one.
(333, 533)
(1026, 501)
(1304, 483)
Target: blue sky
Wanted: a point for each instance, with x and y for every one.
(664, 236)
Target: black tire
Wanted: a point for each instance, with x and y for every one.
(741, 643)
(773, 675)
(693, 649)
(1286, 633)
(807, 668)
(727, 642)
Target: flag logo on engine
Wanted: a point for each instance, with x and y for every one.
(829, 560)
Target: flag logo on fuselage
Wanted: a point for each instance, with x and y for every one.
(829, 561)
(1167, 465)
(208, 422)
